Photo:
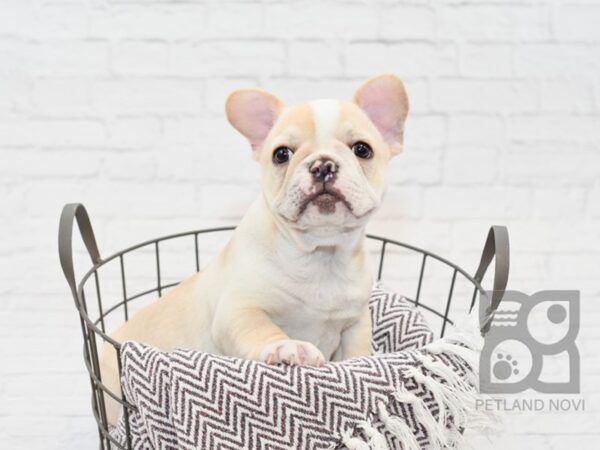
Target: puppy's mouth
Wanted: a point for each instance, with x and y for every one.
(325, 199)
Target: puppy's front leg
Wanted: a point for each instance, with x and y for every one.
(356, 339)
(250, 333)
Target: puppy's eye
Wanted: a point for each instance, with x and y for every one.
(362, 150)
(282, 155)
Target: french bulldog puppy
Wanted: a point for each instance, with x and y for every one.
(293, 283)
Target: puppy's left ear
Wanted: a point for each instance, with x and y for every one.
(253, 113)
(383, 98)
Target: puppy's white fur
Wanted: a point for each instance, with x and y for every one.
(293, 283)
(326, 113)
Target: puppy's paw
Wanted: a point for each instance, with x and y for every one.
(292, 352)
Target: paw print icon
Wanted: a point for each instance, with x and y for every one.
(526, 332)
(505, 367)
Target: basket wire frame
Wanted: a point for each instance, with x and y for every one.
(96, 328)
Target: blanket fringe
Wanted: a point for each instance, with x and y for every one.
(398, 427)
(377, 441)
(464, 345)
(423, 415)
(352, 442)
(455, 395)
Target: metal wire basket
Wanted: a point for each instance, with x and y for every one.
(95, 314)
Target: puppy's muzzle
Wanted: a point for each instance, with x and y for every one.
(324, 170)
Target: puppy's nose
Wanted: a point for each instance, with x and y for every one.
(323, 169)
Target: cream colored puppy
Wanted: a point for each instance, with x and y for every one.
(293, 284)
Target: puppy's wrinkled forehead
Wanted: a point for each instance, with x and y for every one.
(320, 122)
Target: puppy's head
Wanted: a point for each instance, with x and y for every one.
(323, 162)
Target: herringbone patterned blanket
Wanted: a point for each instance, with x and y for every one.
(412, 393)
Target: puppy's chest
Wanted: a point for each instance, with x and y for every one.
(318, 302)
(333, 287)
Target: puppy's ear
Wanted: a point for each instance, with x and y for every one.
(384, 100)
(253, 112)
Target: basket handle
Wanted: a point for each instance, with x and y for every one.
(496, 246)
(71, 212)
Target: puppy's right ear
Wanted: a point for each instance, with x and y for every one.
(253, 113)
(383, 98)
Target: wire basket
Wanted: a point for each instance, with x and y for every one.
(127, 287)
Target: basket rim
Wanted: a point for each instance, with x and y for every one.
(93, 325)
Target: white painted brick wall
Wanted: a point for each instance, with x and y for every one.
(120, 105)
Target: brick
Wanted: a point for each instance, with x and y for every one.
(140, 58)
(59, 21)
(477, 129)
(573, 268)
(418, 94)
(425, 132)
(593, 203)
(578, 22)
(152, 199)
(413, 166)
(181, 162)
(225, 58)
(470, 165)
(574, 441)
(314, 59)
(462, 95)
(406, 59)
(235, 20)
(124, 231)
(160, 96)
(15, 93)
(554, 128)
(72, 58)
(59, 163)
(29, 20)
(213, 159)
(180, 130)
(62, 96)
(225, 200)
(468, 235)
(434, 236)
(12, 198)
(483, 202)
(47, 197)
(19, 55)
(180, 21)
(130, 166)
(542, 59)
(561, 236)
(494, 22)
(321, 19)
(14, 15)
(401, 202)
(206, 135)
(514, 441)
(551, 169)
(71, 385)
(407, 21)
(133, 133)
(568, 95)
(53, 133)
(487, 60)
(559, 203)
